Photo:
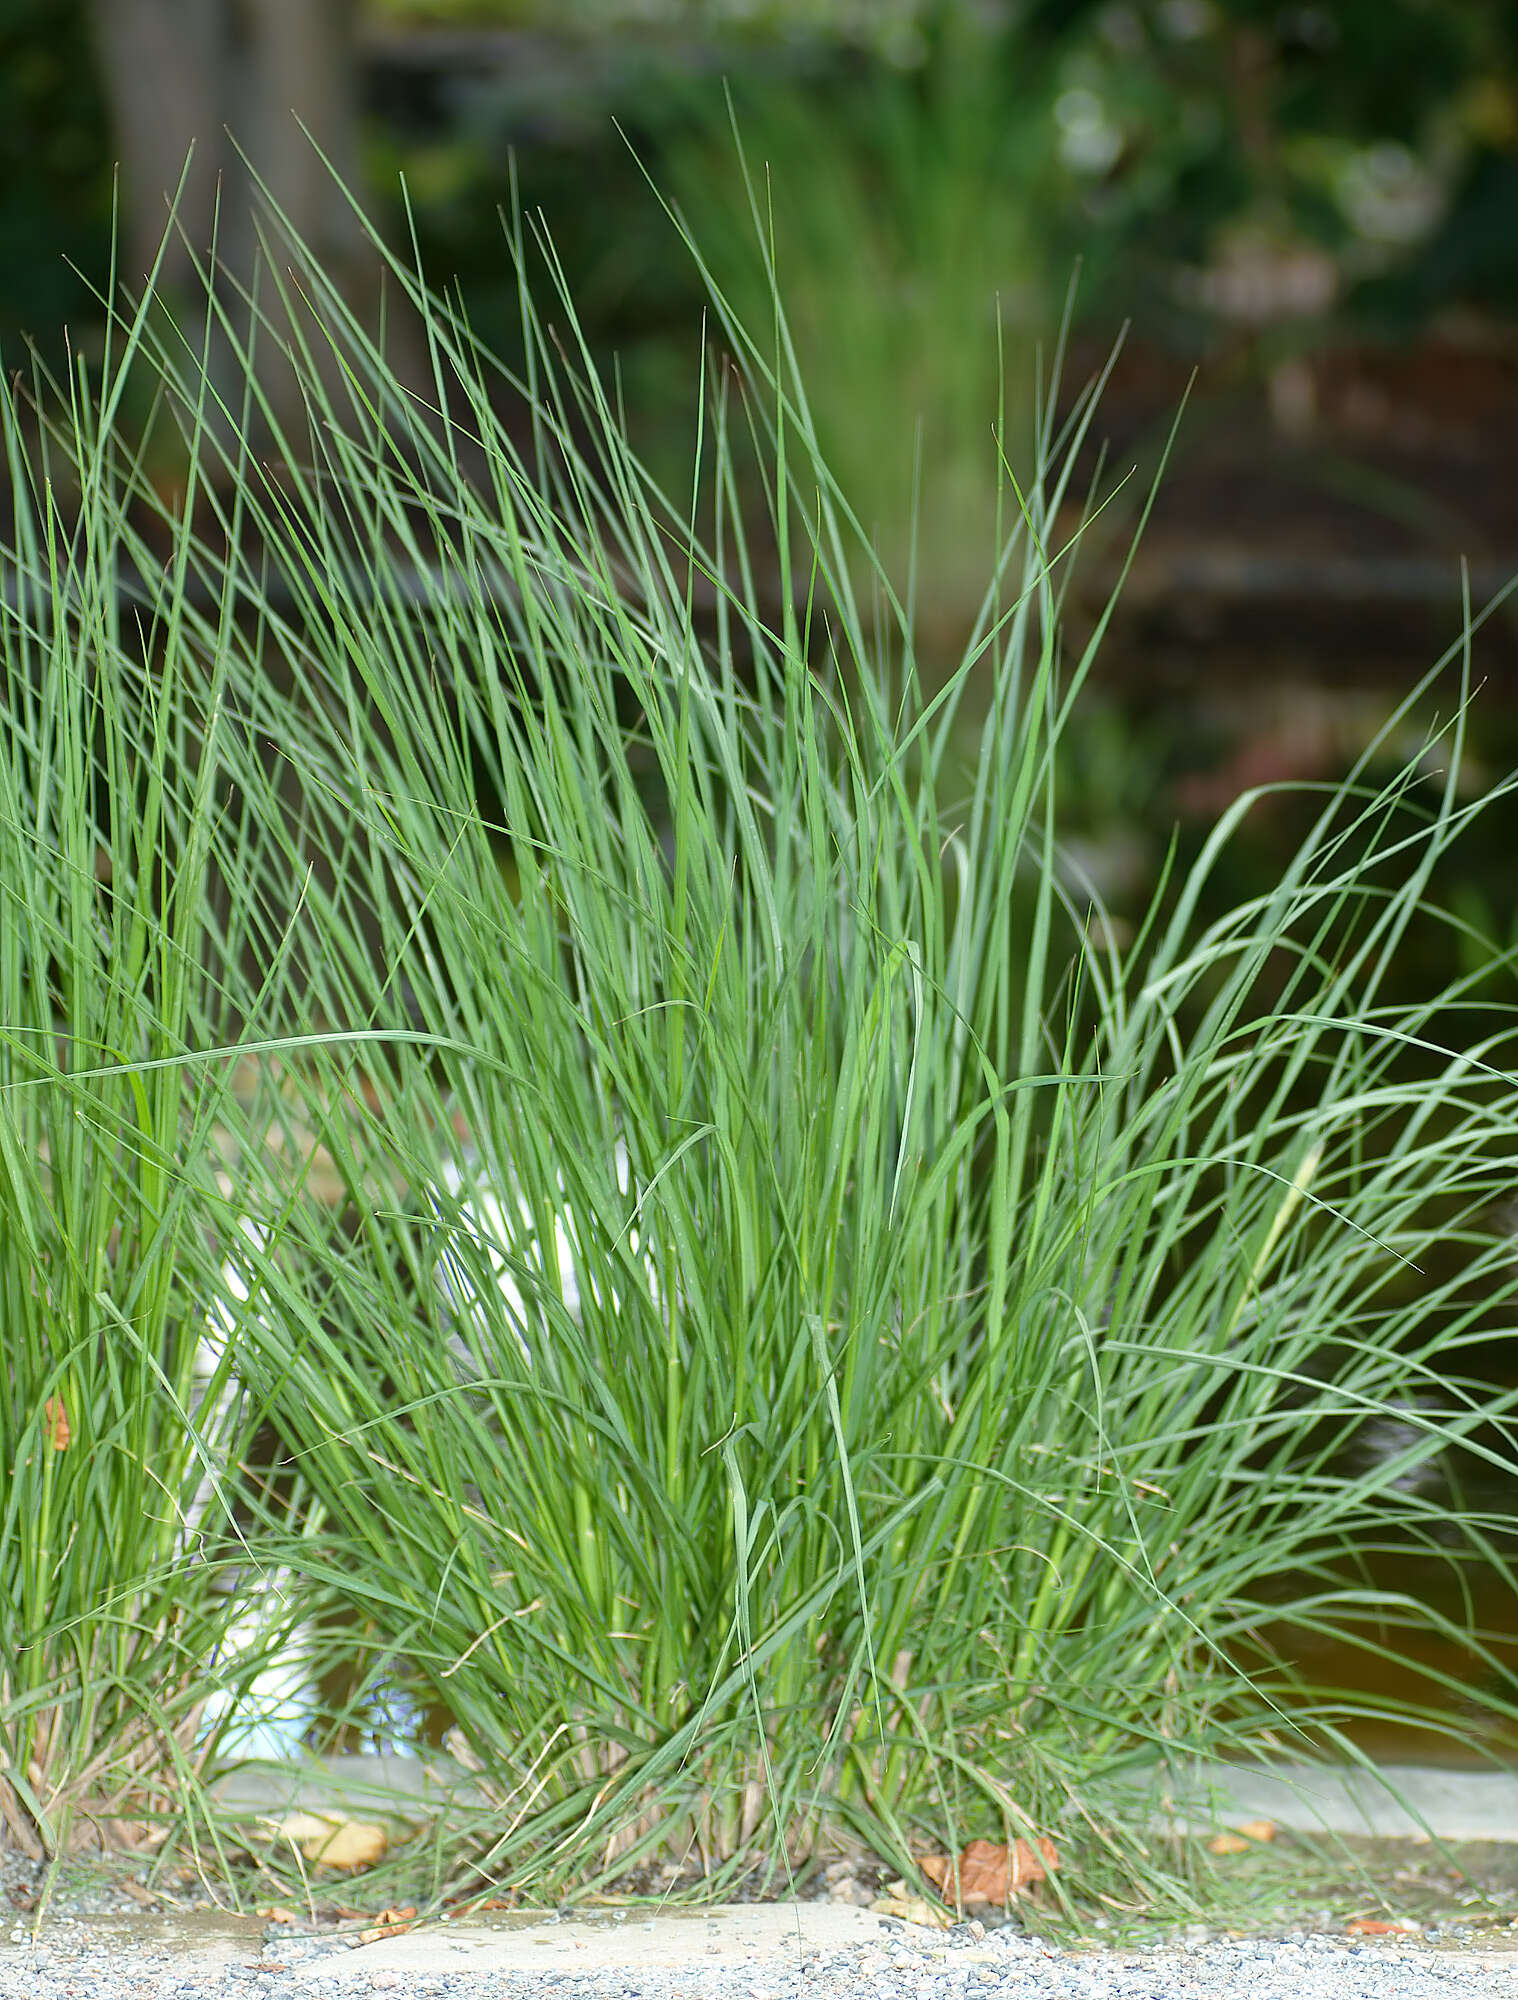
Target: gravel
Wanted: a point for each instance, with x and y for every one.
(80, 1963)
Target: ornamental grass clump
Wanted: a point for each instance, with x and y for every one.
(130, 875)
(772, 1323)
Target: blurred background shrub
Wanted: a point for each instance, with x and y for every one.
(1215, 161)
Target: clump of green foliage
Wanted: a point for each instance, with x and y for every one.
(774, 1322)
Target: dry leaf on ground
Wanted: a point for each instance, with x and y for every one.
(1378, 1927)
(331, 1841)
(1250, 1834)
(990, 1872)
(389, 1923)
(899, 1902)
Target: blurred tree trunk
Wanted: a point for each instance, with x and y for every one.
(230, 79)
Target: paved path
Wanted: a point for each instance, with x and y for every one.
(805, 1952)
(811, 1951)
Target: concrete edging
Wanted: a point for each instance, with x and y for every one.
(1390, 1802)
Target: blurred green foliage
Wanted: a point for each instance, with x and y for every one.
(1241, 163)
(904, 213)
(1384, 132)
(55, 183)
(1175, 136)
(889, 24)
